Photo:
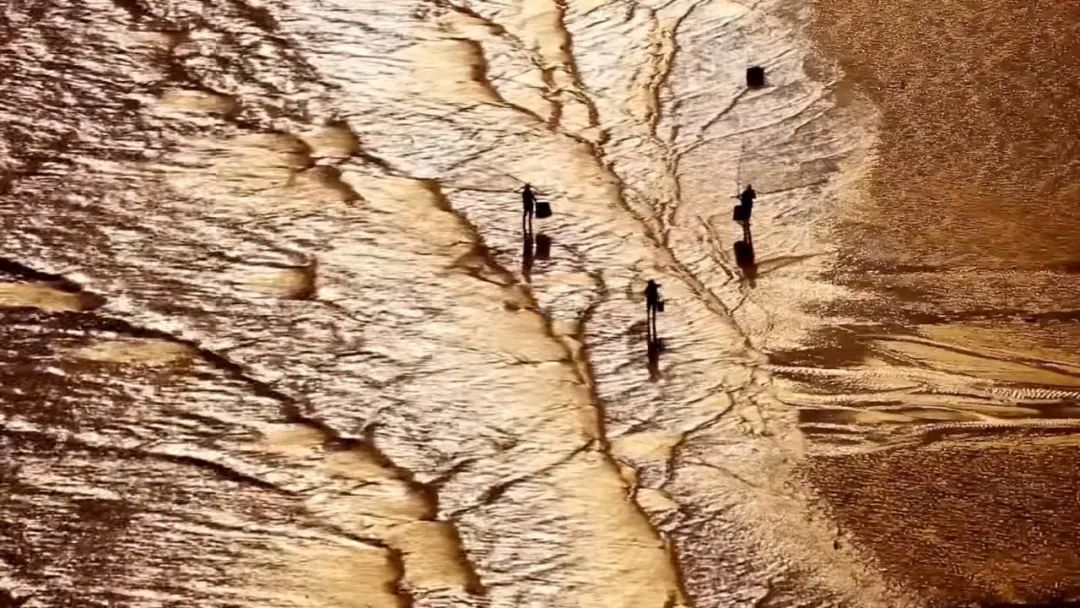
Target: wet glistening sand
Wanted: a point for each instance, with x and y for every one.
(272, 336)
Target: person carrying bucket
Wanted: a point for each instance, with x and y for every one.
(745, 207)
(530, 207)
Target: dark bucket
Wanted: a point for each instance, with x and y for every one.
(755, 77)
(741, 213)
(543, 210)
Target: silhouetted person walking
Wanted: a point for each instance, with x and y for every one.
(528, 206)
(653, 304)
(747, 199)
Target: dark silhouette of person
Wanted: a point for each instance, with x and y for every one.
(747, 199)
(652, 305)
(528, 206)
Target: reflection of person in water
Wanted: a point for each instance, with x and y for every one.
(744, 255)
(527, 256)
(528, 204)
(653, 304)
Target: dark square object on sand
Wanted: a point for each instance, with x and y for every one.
(543, 209)
(755, 76)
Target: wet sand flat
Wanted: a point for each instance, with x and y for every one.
(975, 166)
(980, 125)
(273, 335)
(969, 200)
(988, 521)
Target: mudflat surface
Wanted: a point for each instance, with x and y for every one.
(271, 333)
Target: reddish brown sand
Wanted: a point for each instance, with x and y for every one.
(963, 523)
(972, 198)
(980, 111)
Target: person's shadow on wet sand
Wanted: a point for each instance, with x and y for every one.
(527, 256)
(744, 255)
(655, 346)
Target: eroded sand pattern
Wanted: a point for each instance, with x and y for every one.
(273, 336)
(39, 295)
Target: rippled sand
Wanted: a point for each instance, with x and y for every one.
(273, 337)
